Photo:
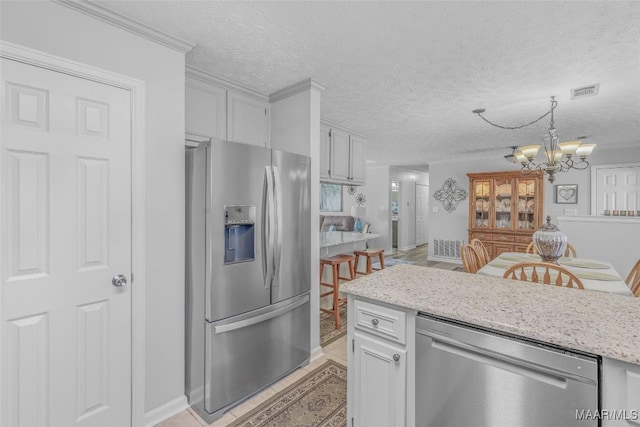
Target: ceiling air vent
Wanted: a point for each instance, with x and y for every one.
(590, 90)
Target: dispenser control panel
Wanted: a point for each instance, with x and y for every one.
(239, 233)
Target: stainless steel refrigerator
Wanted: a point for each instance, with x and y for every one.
(247, 271)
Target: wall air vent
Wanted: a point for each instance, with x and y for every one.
(590, 90)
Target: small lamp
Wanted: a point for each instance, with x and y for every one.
(358, 212)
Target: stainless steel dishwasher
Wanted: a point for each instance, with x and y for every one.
(468, 376)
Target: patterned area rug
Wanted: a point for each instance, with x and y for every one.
(317, 399)
(388, 262)
(328, 332)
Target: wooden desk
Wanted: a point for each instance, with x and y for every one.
(595, 275)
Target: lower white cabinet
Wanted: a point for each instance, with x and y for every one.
(379, 382)
(620, 391)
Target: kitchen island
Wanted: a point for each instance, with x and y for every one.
(383, 309)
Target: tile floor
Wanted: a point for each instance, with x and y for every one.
(336, 350)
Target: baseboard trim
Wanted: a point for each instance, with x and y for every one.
(407, 248)
(165, 411)
(444, 259)
(316, 353)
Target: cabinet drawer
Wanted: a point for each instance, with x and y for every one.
(523, 239)
(481, 236)
(383, 321)
(502, 238)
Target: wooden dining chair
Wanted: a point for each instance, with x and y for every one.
(470, 259)
(633, 279)
(481, 251)
(540, 272)
(570, 251)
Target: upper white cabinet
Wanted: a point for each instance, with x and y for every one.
(247, 119)
(228, 112)
(206, 113)
(325, 152)
(342, 156)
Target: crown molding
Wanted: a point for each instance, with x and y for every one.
(127, 24)
(209, 78)
(343, 128)
(294, 89)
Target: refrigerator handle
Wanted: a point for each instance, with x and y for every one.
(278, 225)
(267, 225)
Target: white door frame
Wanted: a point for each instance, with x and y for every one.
(594, 181)
(138, 249)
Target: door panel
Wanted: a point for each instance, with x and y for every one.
(245, 353)
(617, 188)
(236, 176)
(66, 231)
(293, 263)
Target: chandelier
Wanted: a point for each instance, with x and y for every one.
(558, 156)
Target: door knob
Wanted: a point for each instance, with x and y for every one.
(119, 280)
(396, 357)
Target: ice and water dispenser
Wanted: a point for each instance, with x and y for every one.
(239, 234)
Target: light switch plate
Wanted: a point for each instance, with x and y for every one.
(435, 209)
(571, 211)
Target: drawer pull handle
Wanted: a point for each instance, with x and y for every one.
(374, 322)
(396, 357)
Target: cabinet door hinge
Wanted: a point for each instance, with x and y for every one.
(265, 111)
(352, 422)
(353, 345)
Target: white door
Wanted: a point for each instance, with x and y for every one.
(422, 212)
(380, 381)
(65, 233)
(617, 188)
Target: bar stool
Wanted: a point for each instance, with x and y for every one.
(370, 253)
(335, 262)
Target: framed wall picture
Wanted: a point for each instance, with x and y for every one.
(567, 193)
(330, 197)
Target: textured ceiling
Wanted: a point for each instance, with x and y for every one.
(408, 74)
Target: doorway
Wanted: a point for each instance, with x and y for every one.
(72, 147)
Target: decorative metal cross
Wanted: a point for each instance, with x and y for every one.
(450, 195)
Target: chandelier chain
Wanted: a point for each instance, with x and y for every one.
(516, 127)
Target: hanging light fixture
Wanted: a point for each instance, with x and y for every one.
(558, 156)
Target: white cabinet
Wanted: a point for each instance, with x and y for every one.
(380, 372)
(358, 161)
(620, 390)
(325, 152)
(213, 110)
(378, 365)
(247, 119)
(205, 109)
(342, 156)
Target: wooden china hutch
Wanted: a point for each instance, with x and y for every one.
(505, 209)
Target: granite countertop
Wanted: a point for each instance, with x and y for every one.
(590, 321)
(334, 238)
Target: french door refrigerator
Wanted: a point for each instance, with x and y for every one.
(247, 271)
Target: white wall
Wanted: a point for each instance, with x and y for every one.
(378, 193)
(453, 226)
(295, 127)
(60, 31)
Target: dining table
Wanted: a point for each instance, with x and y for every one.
(595, 275)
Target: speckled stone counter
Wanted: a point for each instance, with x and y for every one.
(335, 238)
(590, 321)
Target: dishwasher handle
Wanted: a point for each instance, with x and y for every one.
(534, 371)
